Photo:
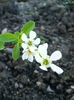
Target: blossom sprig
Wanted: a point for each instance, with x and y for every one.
(39, 52)
(32, 49)
(29, 46)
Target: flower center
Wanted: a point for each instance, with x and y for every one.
(45, 61)
(29, 52)
(30, 43)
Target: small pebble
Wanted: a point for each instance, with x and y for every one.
(36, 72)
(69, 91)
(72, 86)
(20, 85)
(38, 83)
(4, 30)
(16, 85)
(49, 89)
(72, 98)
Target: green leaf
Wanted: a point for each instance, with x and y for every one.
(1, 45)
(17, 34)
(16, 52)
(28, 27)
(7, 37)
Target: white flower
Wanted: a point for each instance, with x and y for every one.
(31, 41)
(46, 61)
(29, 46)
(28, 53)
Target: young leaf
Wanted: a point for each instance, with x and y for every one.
(16, 52)
(28, 27)
(7, 37)
(1, 45)
(16, 34)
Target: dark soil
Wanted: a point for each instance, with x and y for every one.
(21, 80)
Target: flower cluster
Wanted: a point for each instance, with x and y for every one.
(32, 49)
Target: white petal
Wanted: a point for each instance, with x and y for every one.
(24, 37)
(45, 45)
(32, 35)
(42, 50)
(24, 46)
(56, 69)
(30, 58)
(43, 68)
(56, 56)
(38, 58)
(23, 51)
(24, 56)
(37, 41)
